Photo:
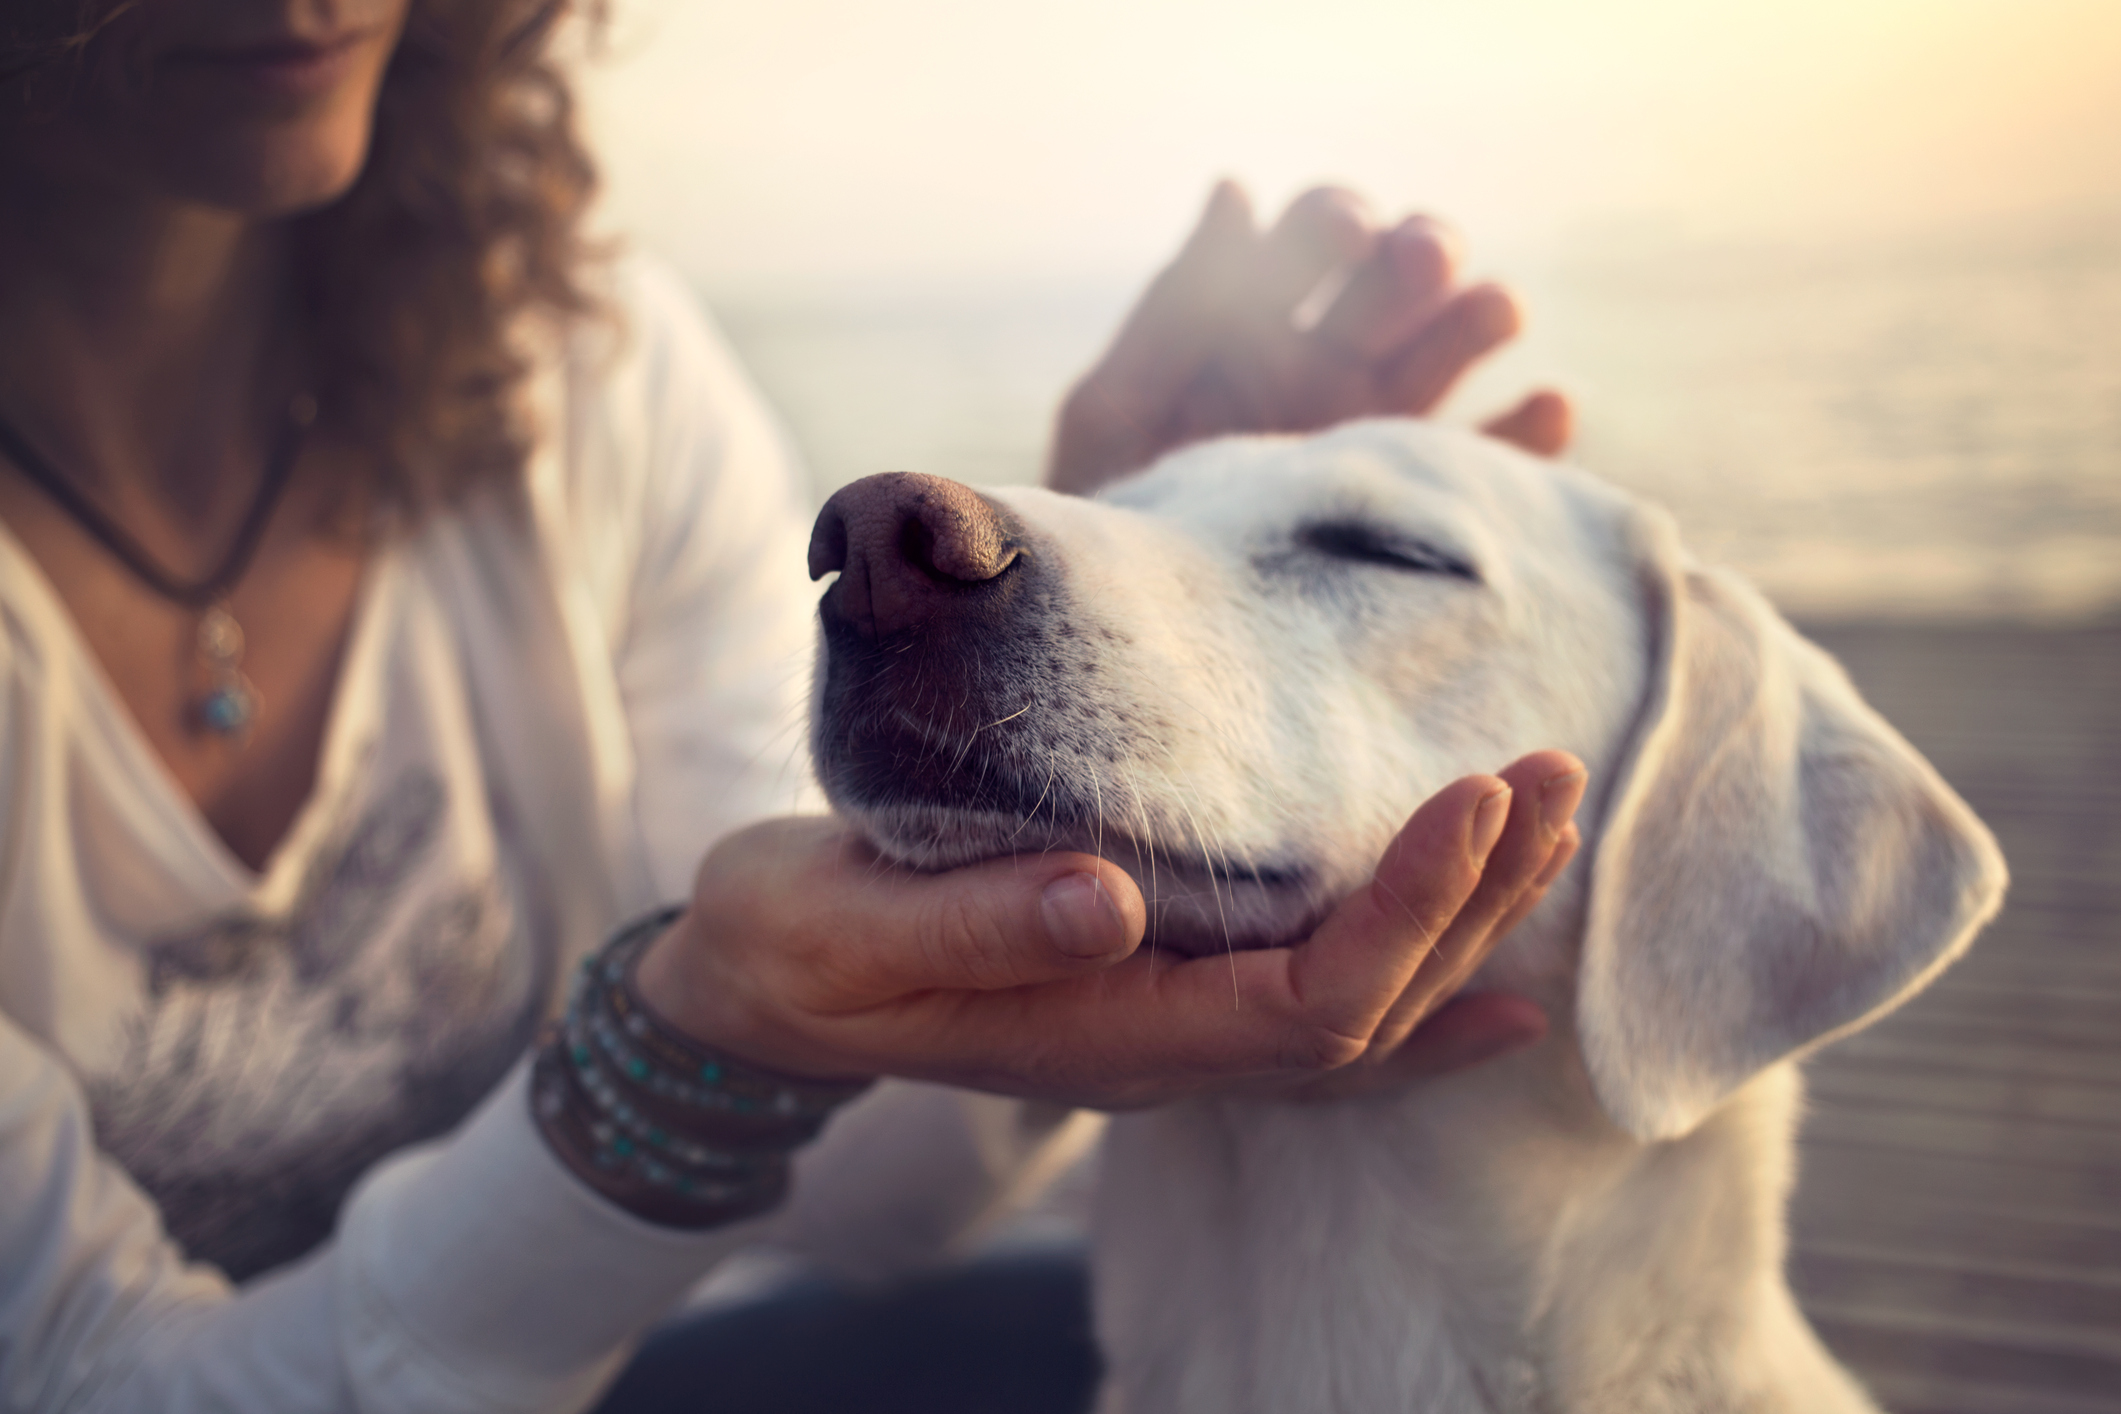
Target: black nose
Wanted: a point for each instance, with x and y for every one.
(910, 549)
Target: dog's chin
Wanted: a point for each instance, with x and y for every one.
(1194, 909)
(933, 838)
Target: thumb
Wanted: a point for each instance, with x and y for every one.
(1009, 923)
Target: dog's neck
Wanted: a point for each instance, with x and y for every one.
(1489, 1242)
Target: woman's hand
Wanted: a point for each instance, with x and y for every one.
(1430, 1029)
(803, 952)
(1230, 338)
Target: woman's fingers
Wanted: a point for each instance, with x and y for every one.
(1344, 1001)
(1564, 850)
(1471, 324)
(1324, 230)
(1363, 956)
(1389, 297)
(1264, 373)
(1428, 1031)
(1542, 424)
(1546, 788)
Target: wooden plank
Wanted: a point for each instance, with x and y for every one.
(2057, 1308)
(2037, 948)
(2010, 1138)
(2086, 1015)
(1956, 1231)
(1893, 1227)
(1916, 1394)
(1830, 1167)
(2083, 1033)
(1926, 1088)
(2004, 1054)
(1957, 1351)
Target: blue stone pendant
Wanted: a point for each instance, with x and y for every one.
(230, 707)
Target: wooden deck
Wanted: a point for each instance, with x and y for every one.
(1957, 1228)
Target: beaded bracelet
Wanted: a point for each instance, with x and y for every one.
(675, 1131)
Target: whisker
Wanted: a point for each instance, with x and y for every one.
(1053, 835)
(1393, 894)
(1097, 806)
(1052, 764)
(1200, 837)
(1002, 721)
(1222, 853)
(1148, 842)
(963, 751)
(789, 767)
(879, 866)
(794, 724)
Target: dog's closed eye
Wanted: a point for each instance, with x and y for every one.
(1365, 542)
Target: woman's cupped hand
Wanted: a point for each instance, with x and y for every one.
(802, 950)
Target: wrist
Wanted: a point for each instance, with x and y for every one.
(664, 981)
(673, 1131)
(661, 973)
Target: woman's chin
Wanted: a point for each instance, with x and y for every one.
(266, 169)
(262, 128)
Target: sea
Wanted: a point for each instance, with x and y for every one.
(1921, 429)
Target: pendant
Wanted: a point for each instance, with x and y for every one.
(231, 703)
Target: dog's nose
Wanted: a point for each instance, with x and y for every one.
(909, 549)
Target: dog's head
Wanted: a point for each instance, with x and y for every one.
(1238, 672)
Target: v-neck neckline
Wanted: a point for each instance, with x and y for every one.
(184, 827)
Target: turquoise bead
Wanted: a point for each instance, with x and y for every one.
(226, 710)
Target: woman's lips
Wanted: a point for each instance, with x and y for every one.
(292, 67)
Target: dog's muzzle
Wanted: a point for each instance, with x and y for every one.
(934, 632)
(968, 707)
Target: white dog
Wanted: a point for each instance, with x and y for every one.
(1236, 674)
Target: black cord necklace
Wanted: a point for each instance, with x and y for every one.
(230, 704)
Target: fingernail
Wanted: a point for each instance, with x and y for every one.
(1558, 798)
(1557, 861)
(1081, 918)
(1487, 825)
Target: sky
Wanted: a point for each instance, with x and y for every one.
(809, 142)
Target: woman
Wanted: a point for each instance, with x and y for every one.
(395, 600)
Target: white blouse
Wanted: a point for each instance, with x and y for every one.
(549, 707)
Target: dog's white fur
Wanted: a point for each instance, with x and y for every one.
(1595, 1224)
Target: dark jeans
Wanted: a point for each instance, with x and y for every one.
(1009, 1335)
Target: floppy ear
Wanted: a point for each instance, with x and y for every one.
(1777, 868)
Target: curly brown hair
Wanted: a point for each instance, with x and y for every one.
(466, 218)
